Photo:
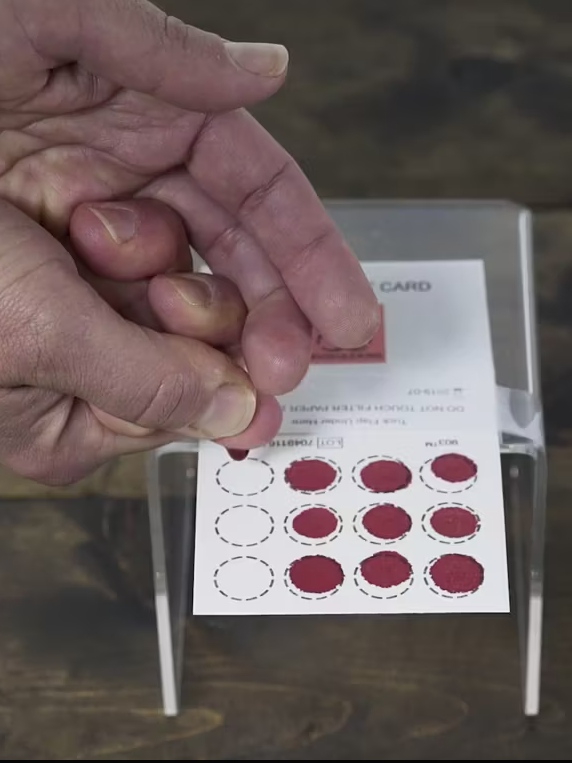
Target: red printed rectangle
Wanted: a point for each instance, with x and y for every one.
(373, 352)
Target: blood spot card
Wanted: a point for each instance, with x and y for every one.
(396, 523)
(383, 491)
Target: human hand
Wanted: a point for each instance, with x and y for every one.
(149, 281)
(86, 115)
(75, 347)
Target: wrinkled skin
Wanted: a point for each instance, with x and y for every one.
(116, 150)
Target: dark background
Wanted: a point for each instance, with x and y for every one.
(385, 98)
(413, 98)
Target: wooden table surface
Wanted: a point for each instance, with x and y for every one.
(387, 99)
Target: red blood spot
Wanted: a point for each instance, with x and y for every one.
(316, 574)
(454, 522)
(385, 476)
(387, 522)
(237, 455)
(456, 573)
(386, 569)
(310, 475)
(315, 523)
(453, 467)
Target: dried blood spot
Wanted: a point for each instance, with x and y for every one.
(387, 522)
(456, 573)
(385, 476)
(452, 467)
(454, 522)
(310, 474)
(386, 569)
(317, 522)
(316, 574)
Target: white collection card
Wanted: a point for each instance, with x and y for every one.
(383, 492)
(348, 524)
(429, 367)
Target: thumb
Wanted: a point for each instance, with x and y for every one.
(160, 55)
(59, 335)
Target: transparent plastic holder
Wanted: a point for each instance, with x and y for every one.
(500, 235)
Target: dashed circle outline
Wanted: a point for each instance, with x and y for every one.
(304, 594)
(358, 577)
(471, 482)
(373, 539)
(329, 489)
(239, 558)
(245, 495)
(244, 506)
(318, 541)
(434, 588)
(372, 459)
(443, 539)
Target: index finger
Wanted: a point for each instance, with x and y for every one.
(240, 166)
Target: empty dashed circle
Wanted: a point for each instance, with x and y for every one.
(245, 478)
(313, 524)
(314, 577)
(385, 575)
(451, 523)
(449, 473)
(244, 578)
(382, 523)
(381, 474)
(454, 575)
(244, 526)
(312, 475)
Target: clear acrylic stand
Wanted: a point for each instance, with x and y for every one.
(500, 235)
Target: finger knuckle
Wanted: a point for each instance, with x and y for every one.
(263, 194)
(172, 403)
(176, 31)
(303, 259)
(227, 243)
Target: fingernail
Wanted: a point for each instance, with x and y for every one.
(259, 57)
(195, 291)
(231, 410)
(237, 455)
(120, 222)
